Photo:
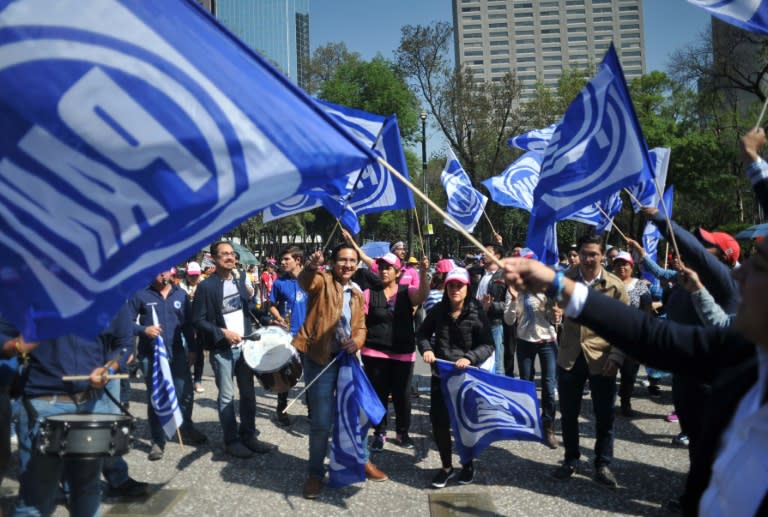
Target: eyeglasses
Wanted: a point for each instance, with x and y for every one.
(226, 254)
(346, 261)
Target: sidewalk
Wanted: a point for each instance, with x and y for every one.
(512, 478)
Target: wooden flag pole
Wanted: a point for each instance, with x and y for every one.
(762, 114)
(489, 220)
(181, 442)
(70, 378)
(437, 209)
(297, 397)
(666, 217)
(633, 197)
(418, 230)
(611, 219)
(333, 231)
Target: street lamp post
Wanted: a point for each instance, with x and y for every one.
(427, 229)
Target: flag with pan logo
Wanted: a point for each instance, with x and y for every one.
(750, 15)
(164, 400)
(465, 203)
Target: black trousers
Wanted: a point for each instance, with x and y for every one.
(391, 376)
(603, 390)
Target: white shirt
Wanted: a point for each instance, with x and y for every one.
(482, 287)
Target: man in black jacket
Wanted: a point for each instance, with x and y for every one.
(221, 315)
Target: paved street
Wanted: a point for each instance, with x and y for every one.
(512, 477)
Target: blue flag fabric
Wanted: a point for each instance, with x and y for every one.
(465, 203)
(485, 408)
(164, 400)
(596, 150)
(133, 134)
(371, 189)
(750, 15)
(535, 140)
(357, 408)
(515, 186)
(595, 214)
(646, 191)
(651, 234)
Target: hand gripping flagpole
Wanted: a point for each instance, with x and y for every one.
(437, 209)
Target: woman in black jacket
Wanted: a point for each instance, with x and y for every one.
(462, 336)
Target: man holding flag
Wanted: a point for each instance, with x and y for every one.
(160, 315)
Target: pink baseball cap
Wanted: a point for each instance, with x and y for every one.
(391, 259)
(444, 266)
(458, 274)
(626, 257)
(193, 269)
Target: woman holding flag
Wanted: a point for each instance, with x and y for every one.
(462, 336)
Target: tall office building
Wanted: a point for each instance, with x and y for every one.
(538, 39)
(278, 29)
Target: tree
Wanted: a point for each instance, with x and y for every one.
(326, 59)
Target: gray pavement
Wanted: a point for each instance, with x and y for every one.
(512, 478)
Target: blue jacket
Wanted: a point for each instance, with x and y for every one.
(174, 314)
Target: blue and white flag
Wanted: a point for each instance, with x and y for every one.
(646, 191)
(595, 214)
(368, 190)
(651, 234)
(485, 408)
(750, 15)
(515, 186)
(597, 149)
(357, 408)
(465, 203)
(133, 134)
(536, 140)
(163, 398)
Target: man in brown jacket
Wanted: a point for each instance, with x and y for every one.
(335, 321)
(584, 355)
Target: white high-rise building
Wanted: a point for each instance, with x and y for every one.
(538, 39)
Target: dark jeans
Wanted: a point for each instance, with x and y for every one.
(628, 371)
(547, 352)
(197, 377)
(441, 423)
(510, 344)
(5, 430)
(603, 390)
(391, 376)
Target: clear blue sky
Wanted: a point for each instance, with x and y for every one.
(370, 27)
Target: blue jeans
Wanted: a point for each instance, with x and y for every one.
(115, 469)
(547, 352)
(228, 364)
(497, 332)
(182, 383)
(40, 474)
(322, 400)
(603, 390)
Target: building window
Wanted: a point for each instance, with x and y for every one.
(523, 14)
(577, 30)
(498, 34)
(526, 41)
(549, 22)
(500, 61)
(473, 35)
(472, 53)
(526, 59)
(499, 43)
(499, 69)
(630, 27)
(500, 52)
(473, 18)
(602, 19)
(497, 16)
(550, 31)
(470, 9)
(629, 17)
(576, 38)
(501, 25)
(472, 26)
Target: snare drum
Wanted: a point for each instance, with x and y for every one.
(86, 435)
(273, 359)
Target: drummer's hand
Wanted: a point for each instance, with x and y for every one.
(191, 356)
(349, 345)
(281, 323)
(429, 357)
(153, 331)
(99, 377)
(232, 337)
(462, 363)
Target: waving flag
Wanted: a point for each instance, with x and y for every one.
(515, 186)
(133, 134)
(645, 191)
(357, 408)
(596, 150)
(485, 408)
(465, 204)
(651, 234)
(750, 15)
(536, 140)
(595, 214)
(371, 189)
(163, 398)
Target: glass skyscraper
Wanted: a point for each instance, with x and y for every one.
(278, 29)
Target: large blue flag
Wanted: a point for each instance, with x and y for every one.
(597, 149)
(485, 408)
(133, 134)
(535, 140)
(371, 189)
(465, 204)
(647, 192)
(357, 408)
(163, 398)
(750, 15)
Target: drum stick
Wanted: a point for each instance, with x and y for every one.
(68, 378)
(297, 397)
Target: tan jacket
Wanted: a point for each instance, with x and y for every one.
(316, 336)
(577, 339)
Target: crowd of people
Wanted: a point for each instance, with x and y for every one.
(587, 320)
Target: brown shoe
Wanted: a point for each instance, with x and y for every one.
(312, 487)
(549, 435)
(373, 473)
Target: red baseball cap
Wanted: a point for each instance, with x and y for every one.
(724, 242)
